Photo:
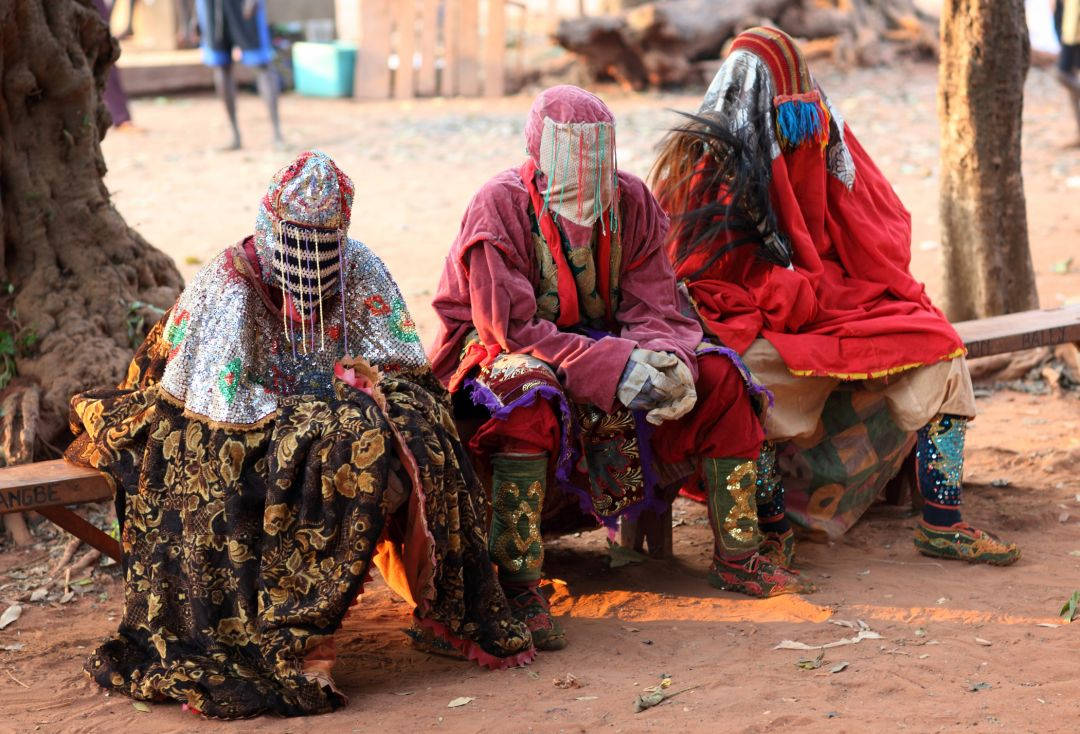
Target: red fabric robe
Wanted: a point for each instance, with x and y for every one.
(849, 308)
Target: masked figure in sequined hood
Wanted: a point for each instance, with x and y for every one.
(561, 324)
(278, 432)
(795, 252)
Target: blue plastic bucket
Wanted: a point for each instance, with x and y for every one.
(324, 69)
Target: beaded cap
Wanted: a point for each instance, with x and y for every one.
(300, 227)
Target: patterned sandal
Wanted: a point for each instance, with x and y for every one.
(754, 575)
(529, 605)
(962, 542)
(779, 548)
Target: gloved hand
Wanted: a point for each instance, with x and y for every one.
(644, 385)
(683, 402)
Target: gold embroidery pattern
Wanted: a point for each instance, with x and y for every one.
(732, 507)
(740, 485)
(519, 546)
(245, 546)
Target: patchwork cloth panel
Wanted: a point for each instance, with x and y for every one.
(832, 477)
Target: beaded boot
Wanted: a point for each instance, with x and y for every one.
(778, 540)
(941, 533)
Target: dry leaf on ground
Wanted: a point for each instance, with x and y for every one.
(10, 615)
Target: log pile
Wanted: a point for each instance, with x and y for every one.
(668, 43)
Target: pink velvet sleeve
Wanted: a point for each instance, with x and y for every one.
(649, 306)
(504, 313)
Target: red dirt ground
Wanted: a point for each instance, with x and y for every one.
(415, 166)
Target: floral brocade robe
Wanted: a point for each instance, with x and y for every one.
(244, 545)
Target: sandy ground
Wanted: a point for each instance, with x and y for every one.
(961, 647)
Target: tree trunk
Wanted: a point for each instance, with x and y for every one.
(80, 275)
(985, 54)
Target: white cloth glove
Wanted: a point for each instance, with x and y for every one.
(644, 385)
(683, 402)
(657, 382)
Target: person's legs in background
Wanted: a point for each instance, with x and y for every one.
(261, 56)
(267, 83)
(1066, 23)
(225, 84)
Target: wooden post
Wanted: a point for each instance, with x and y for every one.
(649, 529)
(347, 20)
(468, 35)
(429, 19)
(405, 20)
(495, 50)
(448, 86)
(372, 73)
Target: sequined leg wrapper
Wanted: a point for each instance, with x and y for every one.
(939, 464)
(737, 565)
(778, 544)
(732, 512)
(518, 485)
(519, 482)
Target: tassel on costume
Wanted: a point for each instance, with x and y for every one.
(801, 119)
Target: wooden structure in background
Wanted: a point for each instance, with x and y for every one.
(442, 47)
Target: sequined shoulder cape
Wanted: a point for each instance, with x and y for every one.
(248, 532)
(232, 354)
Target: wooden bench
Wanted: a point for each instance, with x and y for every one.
(46, 487)
(1024, 330)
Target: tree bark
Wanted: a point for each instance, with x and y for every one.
(80, 274)
(985, 53)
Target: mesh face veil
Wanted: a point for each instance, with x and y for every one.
(570, 136)
(300, 235)
(578, 160)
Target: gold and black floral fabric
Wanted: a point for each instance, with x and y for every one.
(245, 545)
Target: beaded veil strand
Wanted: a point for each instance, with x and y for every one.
(578, 159)
(300, 241)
